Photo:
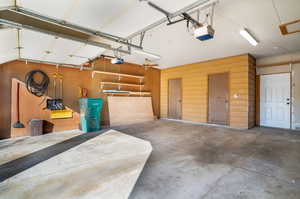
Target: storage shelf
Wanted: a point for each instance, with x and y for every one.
(122, 84)
(128, 93)
(139, 93)
(117, 74)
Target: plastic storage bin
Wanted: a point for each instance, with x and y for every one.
(35, 127)
(90, 111)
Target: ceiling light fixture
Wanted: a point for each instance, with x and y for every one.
(246, 34)
(142, 52)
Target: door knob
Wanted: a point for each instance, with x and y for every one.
(288, 103)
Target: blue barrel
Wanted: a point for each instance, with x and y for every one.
(90, 114)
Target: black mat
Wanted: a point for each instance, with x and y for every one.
(19, 165)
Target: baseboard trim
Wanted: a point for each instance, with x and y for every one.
(204, 124)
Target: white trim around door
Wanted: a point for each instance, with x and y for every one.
(275, 100)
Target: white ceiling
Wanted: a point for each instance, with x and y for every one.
(8, 51)
(178, 47)
(173, 43)
(48, 48)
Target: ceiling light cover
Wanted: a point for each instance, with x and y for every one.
(245, 33)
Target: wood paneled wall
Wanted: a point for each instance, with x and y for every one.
(73, 78)
(33, 107)
(195, 89)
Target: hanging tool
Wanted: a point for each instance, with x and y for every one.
(56, 103)
(18, 124)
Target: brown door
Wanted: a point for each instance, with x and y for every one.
(175, 99)
(218, 98)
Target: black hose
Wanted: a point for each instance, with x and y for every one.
(37, 88)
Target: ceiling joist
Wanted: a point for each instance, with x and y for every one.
(23, 18)
(284, 28)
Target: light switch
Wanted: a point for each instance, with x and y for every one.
(236, 96)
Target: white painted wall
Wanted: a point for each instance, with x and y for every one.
(280, 58)
(295, 69)
(296, 95)
(273, 70)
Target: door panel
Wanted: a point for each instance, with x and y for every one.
(175, 99)
(218, 98)
(275, 103)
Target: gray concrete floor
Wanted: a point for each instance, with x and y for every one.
(203, 162)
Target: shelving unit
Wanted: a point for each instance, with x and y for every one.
(119, 92)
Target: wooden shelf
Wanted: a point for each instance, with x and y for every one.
(117, 74)
(122, 84)
(128, 93)
(139, 93)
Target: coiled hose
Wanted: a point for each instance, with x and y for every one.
(37, 88)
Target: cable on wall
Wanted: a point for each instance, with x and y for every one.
(37, 88)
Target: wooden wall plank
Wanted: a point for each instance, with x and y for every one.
(195, 89)
(33, 107)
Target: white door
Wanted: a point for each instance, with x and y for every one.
(275, 102)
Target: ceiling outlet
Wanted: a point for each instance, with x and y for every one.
(290, 28)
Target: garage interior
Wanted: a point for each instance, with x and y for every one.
(150, 99)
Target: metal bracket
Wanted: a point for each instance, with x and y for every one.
(190, 9)
(142, 38)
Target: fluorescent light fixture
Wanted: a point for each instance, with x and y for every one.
(245, 33)
(148, 54)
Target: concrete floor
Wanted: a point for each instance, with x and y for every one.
(203, 162)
